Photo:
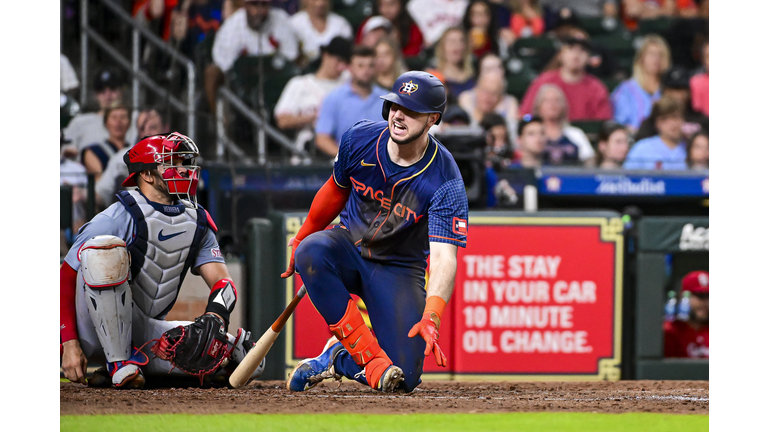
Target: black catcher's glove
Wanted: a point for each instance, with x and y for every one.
(197, 348)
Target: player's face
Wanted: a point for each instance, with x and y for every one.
(405, 126)
(160, 184)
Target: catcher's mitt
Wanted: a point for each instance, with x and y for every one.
(197, 348)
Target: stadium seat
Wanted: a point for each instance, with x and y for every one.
(355, 11)
(519, 77)
(621, 46)
(535, 52)
(244, 77)
(611, 83)
(596, 26)
(658, 26)
(591, 128)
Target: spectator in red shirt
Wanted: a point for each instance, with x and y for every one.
(700, 84)
(587, 97)
(527, 19)
(691, 338)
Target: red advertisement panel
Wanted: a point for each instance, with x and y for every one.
(535, 300)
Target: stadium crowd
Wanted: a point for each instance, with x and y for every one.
(597, 83)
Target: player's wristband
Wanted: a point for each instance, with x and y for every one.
(222, 299)
(434, 309)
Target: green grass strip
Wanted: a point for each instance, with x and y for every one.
(552, 422)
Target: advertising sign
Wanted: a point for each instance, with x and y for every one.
(539, 297)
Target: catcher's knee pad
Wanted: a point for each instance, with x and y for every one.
(104, 266)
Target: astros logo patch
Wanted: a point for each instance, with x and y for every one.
(409, 87)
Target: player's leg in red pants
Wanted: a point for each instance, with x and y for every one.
(331, 268)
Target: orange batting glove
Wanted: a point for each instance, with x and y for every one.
(428, 327)
(292, 265)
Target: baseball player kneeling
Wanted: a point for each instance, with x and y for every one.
(123, 274)
(401, 199)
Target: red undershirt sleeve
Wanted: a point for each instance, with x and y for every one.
(328, 203)
(67, 313)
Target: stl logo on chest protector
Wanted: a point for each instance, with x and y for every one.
(408, 88)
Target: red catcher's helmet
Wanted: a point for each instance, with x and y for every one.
(159, 152)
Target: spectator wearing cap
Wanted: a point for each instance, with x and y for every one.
(355, 100)
(299, 103)
(690, 339)
(675, 84)
(375, 29)
(665, 151)
(587, 97)
(87, 128)
(404, 30)
(435, 17)
(316, 25)
(566, 144)
(531, 143)
(632, 99)
(257, 29)
(389, 62)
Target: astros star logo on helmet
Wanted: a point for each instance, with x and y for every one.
(409, 87)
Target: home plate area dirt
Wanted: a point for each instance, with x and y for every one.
(269, 397)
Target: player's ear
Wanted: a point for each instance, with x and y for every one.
(433, 117)
(146, 176)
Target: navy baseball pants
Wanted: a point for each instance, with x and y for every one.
(331, 267)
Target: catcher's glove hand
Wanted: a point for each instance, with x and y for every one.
(197, 348)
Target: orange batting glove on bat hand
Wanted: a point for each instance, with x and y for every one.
(428, 328)
(293, 243)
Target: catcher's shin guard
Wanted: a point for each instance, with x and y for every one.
(104, 266)
(352, 332)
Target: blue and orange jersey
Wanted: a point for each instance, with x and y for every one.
(393, 212)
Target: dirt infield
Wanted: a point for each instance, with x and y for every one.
(679, 397)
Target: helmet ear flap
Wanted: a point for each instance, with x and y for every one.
(385, 109)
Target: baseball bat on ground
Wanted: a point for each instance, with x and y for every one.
(245, 369)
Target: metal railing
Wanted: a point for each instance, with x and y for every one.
(88, 34)
(225, 94)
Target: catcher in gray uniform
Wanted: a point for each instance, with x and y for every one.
(123, 274)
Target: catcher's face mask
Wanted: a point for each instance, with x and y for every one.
(175, 158)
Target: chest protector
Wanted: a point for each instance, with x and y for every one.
(166, 241)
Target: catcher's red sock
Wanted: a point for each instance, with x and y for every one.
(352, 332)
